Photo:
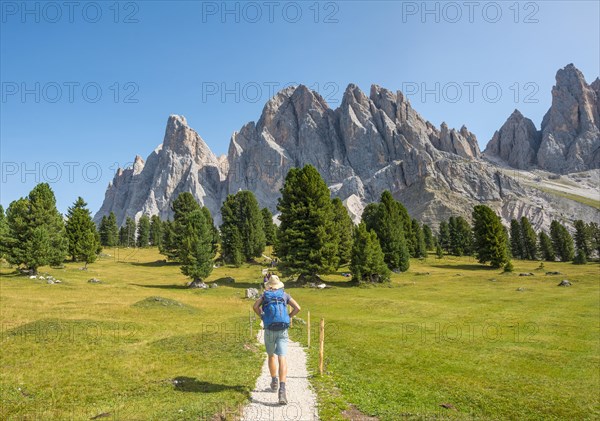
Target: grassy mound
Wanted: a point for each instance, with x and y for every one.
(162, 302)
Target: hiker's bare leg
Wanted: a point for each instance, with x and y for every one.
(273, 365)
(282, 368)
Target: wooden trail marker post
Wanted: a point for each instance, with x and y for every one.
(308, 330)
(321, 345)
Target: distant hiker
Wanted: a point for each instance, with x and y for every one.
(272, 308)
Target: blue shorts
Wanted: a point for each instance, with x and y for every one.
(276, 341)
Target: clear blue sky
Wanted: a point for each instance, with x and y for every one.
(169, 58)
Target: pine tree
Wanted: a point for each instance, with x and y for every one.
(529, 239)
(215, 235)
(490, 237)
(344, 228)
(156, 231)
(183, 205)
(306, 239)
(83, 238)
(516, 239)
(112, 230)
(143, 231)
(367, 261)
(438, 250)
(196, 250)
(242, 228)
(444, 236)
(36, 230)
(130, 231)
(3, 233)
(428, 236)
(580, 258)
(460, 236)
(270, 227)
(419, 239)
(582, 238)
(561, 241)
(369, 216)
(546, 248)
(103, 231)
(594, 230)
(388, 224)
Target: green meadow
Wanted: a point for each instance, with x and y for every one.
(450, 339)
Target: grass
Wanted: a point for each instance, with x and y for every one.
(595, 203)
(453, 332)
(140, 345)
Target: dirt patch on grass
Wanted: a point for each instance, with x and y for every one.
(353, 414)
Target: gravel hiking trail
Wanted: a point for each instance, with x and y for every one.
(302, 401)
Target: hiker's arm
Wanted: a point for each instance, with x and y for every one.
(256, 306)
(295, 307)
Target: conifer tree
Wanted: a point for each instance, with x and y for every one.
(270, 227)
(112, 238)
(490, 238)
(344, 228)
(546, 248)
(367, 261)
(156, 231)
(3, 233)
(444, 236)
(36, 230)
(183, 205)
(83, 238)
(306, 239)
(516, 240)
(419, 239)
(130, 232)
(561, 241)
(582, 238)
(242, 228)
(196, 250)
(428, 236)
(143, 231)
(529, 239)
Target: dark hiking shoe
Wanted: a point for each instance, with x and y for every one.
(274, 384)
(282, 397)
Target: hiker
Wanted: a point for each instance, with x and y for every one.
(272, 309)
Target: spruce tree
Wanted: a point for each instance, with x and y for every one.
(580, 258)
(546, 248)
(444, 236)
(183, 205)
(582, 238)
(130, 232)
(516, 239)
(231, 239)
(367, 261)
(270, 227)
(112, 230)
(103, 231)
(388, 225)
(428, 236)
(344, 228)
(490, 239)
(306, 239)
(561, 241)
(36, 230)
(83, 238)
(156, 231)
(196, 250)
(3, 233)
(529, 239)
(460, 236)
(369, 216)
(594, 230)
(215, 236)
(419, 239)
(143, 231)
(438, 250)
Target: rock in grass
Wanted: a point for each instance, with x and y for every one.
(564, 283)
(553, 273)
(520, 289)
(213, 285)
(526, 274)
(49, 281)
(94, 281)
(197, 284)
(252, 293)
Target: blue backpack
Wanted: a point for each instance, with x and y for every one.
(275, 315)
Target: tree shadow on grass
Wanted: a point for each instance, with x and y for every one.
(466, 267)
(162, 286)
(156, 263)
(191, 384)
